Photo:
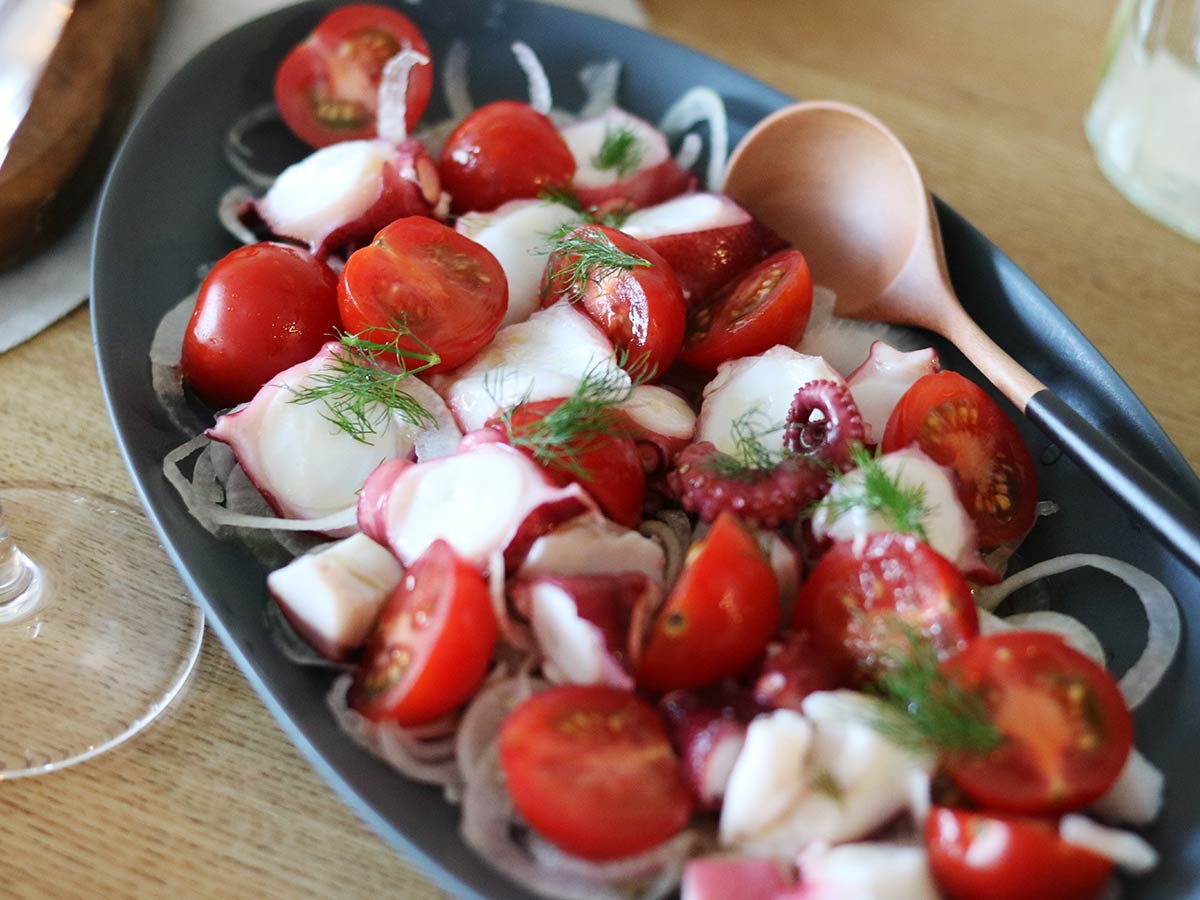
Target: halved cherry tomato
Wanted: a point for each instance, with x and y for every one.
(327, 88)
(768, 305)
(503, 151)
(721, 613)
(958, 425)
(262, 309)
(639, 305)
(592, 770)
(432, 644)
(860, 597)
(1066, 729)
(983, 856)
(449, 291)
(606, 465)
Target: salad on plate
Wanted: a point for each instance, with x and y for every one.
(672, 579)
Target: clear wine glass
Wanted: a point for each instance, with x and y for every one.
(91, 649)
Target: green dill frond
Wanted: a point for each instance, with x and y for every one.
(573, 427)
(905, 509)
(929, 712)
(750, 455)
(360, 386)
(563, 196)
(823, 781)
(589, 256)
(621, 150)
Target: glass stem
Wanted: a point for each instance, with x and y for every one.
(18, 577)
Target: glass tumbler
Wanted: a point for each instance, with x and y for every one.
(1144, 122)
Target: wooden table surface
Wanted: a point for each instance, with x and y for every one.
(989, 95)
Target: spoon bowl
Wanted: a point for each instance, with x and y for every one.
(840, 186)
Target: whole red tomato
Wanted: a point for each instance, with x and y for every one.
(503, 151)
(449, 292)
(861, 596)
(262, 309)
(327, 88)
(605, 464)
(627, 289)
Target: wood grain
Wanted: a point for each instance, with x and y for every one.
(214, 802)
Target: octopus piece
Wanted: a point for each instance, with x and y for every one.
(879, 383)
(304, 465)
(543, 358)
(764, 385)
(516, 234)
(338, 197)
(486, 498)
(643, 173)
(708, 240)
(948, 527)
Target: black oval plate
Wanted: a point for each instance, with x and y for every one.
(157, 223)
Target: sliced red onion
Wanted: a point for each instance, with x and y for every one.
(456, 81)
(689, 150)
(430, 760)
(599, 81)
(1130, 852)
(1136, 797)
(673, 532)
(1162, 616)
(238, 154)
(391, 116)
(540, 97)
(483, 717)
(702, 104)
(516, 634)
(232, 202)
(846, 343)
(291, 645)
(165, 376)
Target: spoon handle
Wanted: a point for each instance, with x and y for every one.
(1138, 489)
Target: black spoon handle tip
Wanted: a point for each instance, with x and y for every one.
(1142, 492)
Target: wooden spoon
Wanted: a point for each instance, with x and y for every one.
(834, 181)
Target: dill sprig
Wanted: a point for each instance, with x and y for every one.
(360, 386)
(620, 150)
(571, 429)
(928, 710)
(750, 455)
(870, 487)
(586, 256)
(613, 217)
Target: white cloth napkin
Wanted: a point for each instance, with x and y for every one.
(42, 290)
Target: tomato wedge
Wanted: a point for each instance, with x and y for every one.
(262, 309)
(856, 599)
(592, 770)
(432, 645)
(768, 305)
(719, 617)
(503, 151)
(958, 425)
(627, 289)
(606, 465)
(327, 88)
(1066, 729)
(984, 856)
(447, 290)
